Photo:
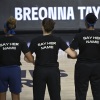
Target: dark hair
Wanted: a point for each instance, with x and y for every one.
(91, 19)
(48, 24)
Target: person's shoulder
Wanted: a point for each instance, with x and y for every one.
(96, 31)
(56, 37)
(82, 32)
(37, 37)
(18, 39)
(91, 31)
(2, 38)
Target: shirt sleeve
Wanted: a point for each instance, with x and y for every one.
(63, 44)
(32, 46)
(74, 43)
(24, 47)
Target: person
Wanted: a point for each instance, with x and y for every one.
(46, 69)
(87, 67)
(10, 52)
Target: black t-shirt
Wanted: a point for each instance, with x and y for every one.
(10, 50)
(46, 49)
(88, 43)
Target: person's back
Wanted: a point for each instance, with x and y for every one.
(89, 46)
(87, 67)
(46, 71)
(10, 52)
(11, 48)
(46, 49)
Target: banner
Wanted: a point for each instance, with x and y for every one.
(68, 14)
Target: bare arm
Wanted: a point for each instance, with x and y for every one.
(29, 57)
(71, 52)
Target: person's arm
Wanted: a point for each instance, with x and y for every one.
(32, 48)
(29, 57)
(71, 53)
(73, 46)
(67, 49)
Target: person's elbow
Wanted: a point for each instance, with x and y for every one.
(74, 55)
(29, 58)
(71, 53)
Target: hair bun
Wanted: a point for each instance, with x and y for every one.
(91, 18)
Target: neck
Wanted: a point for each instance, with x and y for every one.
(9, 35)
(90, 28)
(45, 33)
